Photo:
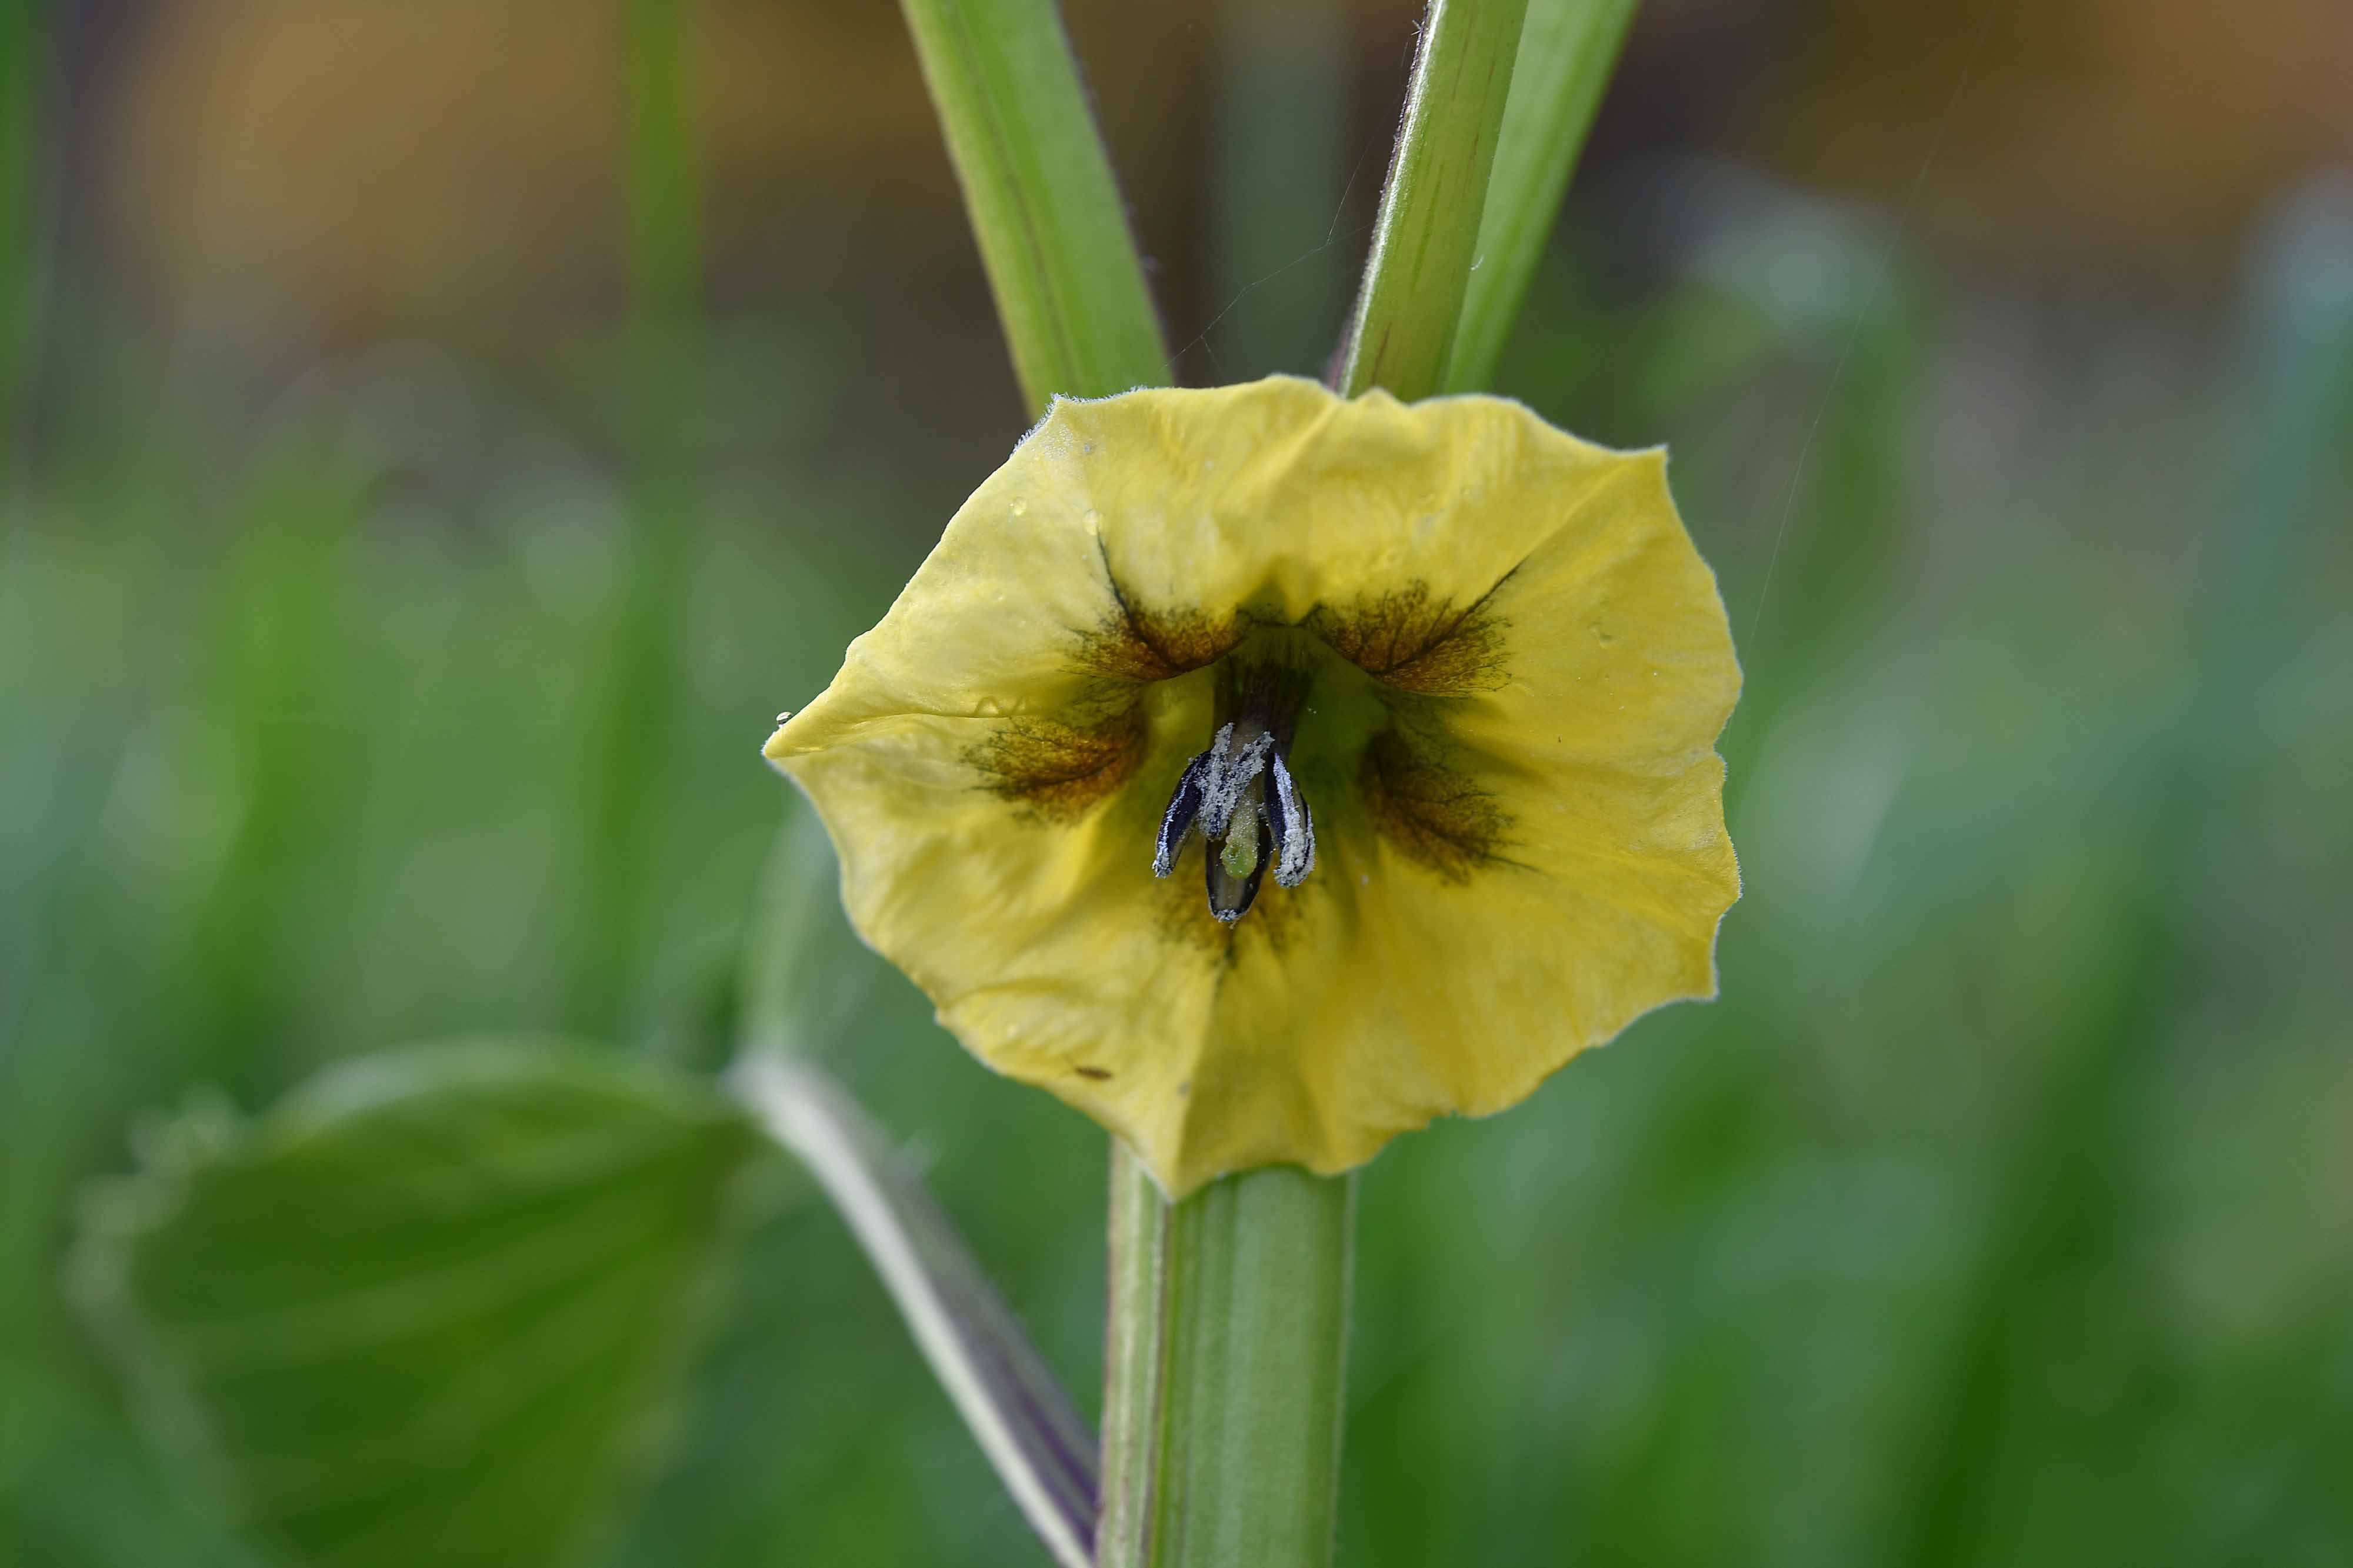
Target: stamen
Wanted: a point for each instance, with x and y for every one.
(1177, 820)
(1230, 792)
(1233, 768)
(1293, 829)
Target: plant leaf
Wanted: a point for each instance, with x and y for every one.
(424, 1308)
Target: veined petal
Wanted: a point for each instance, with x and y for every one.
(1513, 666)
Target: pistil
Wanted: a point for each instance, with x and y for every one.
(1241, 852)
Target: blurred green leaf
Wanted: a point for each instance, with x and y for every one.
(424, 1309)
(1038, 185)
(1568, 50)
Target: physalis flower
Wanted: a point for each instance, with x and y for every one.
(1266, 773)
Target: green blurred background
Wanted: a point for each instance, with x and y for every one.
(429, 463)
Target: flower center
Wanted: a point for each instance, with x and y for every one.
(1241, 795)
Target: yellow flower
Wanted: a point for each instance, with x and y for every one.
(1451, 677)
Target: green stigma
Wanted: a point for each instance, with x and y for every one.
(1240, 850)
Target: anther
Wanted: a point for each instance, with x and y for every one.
(1240, 785)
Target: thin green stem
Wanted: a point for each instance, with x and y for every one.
(1053, 237)
(1025, 1425)
(1226, 1362)
(1425, 240)
(1568, 50)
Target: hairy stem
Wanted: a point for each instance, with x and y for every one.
(1425, 240)
(1038, 185)
(1568, 50)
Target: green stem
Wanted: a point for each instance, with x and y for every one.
(1427, 237)
(1018, 1414)
(1567, 49)
(1038, 185)
(1225, 1361)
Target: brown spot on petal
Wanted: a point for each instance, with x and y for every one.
(1101, 1075)
(1061, 769)
(1410, 640)
(1139, 643)
(1431, 813)
(1138, 647)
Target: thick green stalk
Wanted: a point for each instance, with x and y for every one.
(1426, 239)
(1567, 49)
(1225, 1360)
(1038, 185)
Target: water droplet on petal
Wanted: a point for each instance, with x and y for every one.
(1094, 521)
(1021, 507)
